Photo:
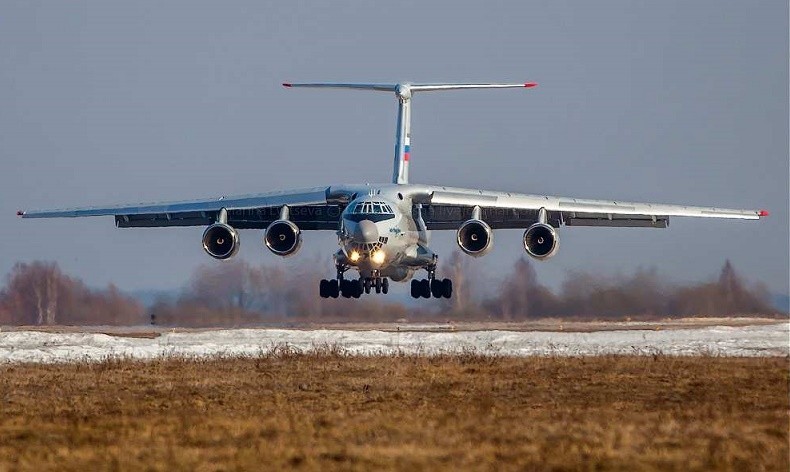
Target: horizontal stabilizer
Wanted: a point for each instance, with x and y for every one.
(379, 87)
(408, 86)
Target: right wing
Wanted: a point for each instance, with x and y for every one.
(310, 209)
(447, 208)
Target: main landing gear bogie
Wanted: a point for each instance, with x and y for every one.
(426, 288)
(352, 288)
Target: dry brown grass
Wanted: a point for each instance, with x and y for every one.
(329, 411)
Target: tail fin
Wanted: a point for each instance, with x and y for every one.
(403, 91)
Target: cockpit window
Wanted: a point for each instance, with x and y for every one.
(371, 208)
(374, 211)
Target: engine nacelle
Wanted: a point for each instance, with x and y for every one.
(541, 241)
(475, 238)
(283, 238)
(220, 241)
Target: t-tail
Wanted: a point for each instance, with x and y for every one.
(403, 92)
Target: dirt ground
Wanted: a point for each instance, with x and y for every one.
(329, 411)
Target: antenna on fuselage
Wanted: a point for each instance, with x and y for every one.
(403, 92)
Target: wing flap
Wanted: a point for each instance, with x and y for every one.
(307, 217)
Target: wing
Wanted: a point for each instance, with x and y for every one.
(310, 208)
(446, 208)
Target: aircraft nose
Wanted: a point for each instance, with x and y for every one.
(366, 232)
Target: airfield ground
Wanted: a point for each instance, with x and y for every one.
(330, 411)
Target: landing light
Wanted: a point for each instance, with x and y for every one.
(354, 256)
(378, 257)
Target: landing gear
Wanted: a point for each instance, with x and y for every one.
(437, 288)
(351, 288)
(432, 286)
(329, 289)
(420, 288)
(442, 288)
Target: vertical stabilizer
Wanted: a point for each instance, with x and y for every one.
(403, 92)
(400, 171)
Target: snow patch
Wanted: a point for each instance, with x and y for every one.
(752, 341)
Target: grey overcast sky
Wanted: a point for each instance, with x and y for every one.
(657, 101)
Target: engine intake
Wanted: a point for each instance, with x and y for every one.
(475, 238)
(283, 237)
(220, 241)
(541, 241)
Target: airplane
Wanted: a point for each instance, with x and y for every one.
(383, 230)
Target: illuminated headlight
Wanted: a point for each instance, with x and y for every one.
(354, 256)
(378, 257)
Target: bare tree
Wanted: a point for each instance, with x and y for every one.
(460, 269)
(39, 293)
(32, 292)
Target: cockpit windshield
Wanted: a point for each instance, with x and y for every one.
(369, 210)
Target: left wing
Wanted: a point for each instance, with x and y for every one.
(310, 208)
(446, 208)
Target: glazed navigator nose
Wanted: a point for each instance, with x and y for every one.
(366, 232)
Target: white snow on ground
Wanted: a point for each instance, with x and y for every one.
(759, 340)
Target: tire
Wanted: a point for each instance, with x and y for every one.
(416, 290)
(425, 285)
(323, 288)
(447, 285)
(385, 286)
(366, 284)
(357, 288)
(378, 285)
(437, 288)
(333, 289)
(345, 288)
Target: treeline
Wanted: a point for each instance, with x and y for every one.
(235, 293)
(642, 295)
(40, 294)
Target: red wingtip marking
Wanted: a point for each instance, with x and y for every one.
(531, 84)
(763, 213)
(20, 213)
(286, 84)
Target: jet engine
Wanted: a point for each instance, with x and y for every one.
(220, 241)
(475, 238)
(541, 241)
(283, 238)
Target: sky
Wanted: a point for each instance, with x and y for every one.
(682, 102)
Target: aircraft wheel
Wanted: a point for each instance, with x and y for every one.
(378, 284)
(447, 286)
(437, 288)
(416, 290)
(425, 285)
(333, 288)
(385, 286)
(323, 289)
(366, 284)
(357, 288)
(345, 288)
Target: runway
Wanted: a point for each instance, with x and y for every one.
(750, 341)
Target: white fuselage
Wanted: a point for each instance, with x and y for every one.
(379, 236)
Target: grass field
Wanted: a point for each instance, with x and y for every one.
(325, 411)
